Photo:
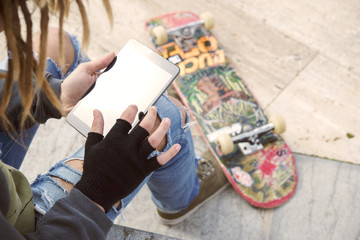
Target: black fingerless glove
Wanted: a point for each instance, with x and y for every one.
(115, 165)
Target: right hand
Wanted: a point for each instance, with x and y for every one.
(115, 165)
(80, 80)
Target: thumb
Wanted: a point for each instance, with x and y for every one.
(98, 122)
(101, 63)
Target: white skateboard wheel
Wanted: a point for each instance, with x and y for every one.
(208, 19)
(225, 143)
(159, 34)
(279, 124)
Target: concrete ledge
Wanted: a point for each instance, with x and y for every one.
(121, 232)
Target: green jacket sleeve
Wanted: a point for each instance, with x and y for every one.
(73, 217)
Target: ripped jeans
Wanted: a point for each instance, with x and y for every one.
(173, 186)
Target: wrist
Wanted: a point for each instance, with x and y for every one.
(65, 102)
(65, 107)
(98, 190)
(101, 208)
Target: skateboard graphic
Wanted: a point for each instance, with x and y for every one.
(255, 159)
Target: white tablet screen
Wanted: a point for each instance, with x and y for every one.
(135, 78)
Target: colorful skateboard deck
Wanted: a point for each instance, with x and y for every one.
(220, 102)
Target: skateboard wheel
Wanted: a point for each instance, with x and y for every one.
(225, 143)
(279, 124)
(208, 19)
(160, 35)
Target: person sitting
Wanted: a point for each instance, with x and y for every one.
(81, 196)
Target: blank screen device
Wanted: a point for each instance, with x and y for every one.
(137, 76)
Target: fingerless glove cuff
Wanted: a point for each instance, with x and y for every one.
(99, 189)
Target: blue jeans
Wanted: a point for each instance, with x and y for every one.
(13, 148)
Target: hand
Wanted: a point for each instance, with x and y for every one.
(115, 165)
(80, 80)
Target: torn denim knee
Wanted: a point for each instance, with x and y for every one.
(79, 57)
(46, 190)
(167, 109)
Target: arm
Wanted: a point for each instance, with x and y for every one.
(114, 166)
(6, 229)
(73, 217)
(41, 107)
(111, 172)
(69, 91)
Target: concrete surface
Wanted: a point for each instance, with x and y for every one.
(325, 206)
(301, 60)
(120, 232)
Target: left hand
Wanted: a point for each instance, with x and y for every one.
(116, 165)
(80, 80)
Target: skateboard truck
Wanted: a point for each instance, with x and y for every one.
(249, 141)
(183, 35)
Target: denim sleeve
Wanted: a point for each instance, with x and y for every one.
(41, 108)
(73, 217)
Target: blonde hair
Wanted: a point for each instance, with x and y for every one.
(22, 65)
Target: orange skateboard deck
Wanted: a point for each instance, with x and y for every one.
(258, 163)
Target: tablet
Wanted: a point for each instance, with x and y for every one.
(137, 76)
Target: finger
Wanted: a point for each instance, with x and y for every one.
(98, 122)
(145, 148)
(123, 125)
(149, 120)
(152, 164)
(169, 154)
(139, 134)
(158, 135)
(93, 138)
(129, 114)
(100, 63)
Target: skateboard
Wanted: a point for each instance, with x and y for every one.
(254, 157)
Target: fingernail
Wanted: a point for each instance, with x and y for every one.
(178, 147)
(94, 113)
(167, 121)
